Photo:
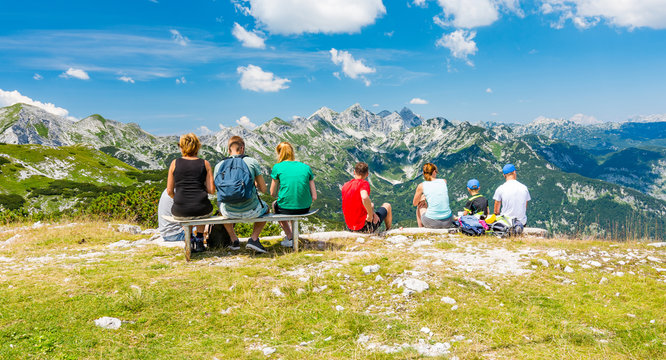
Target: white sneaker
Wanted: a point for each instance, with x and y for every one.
(287, 243)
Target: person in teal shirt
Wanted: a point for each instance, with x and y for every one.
(297, 188)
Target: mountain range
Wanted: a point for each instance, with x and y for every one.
(583, 177)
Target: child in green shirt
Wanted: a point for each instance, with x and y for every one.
(297, 189)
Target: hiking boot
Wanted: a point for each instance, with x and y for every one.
(255, 245)
(235, 245)
(287, 242)
(198, 245)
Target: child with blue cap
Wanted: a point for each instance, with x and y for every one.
(477, 205)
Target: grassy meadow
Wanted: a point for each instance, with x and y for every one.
(514, 299)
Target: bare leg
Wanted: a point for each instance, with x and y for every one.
(200, 229)
(231, 232)
(287, 229)
(258, 226)
(420, 210)
(389, 215)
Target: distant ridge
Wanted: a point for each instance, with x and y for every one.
(396, 145)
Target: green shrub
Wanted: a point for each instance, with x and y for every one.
(138, 205)
(68, 188)
(11, 201)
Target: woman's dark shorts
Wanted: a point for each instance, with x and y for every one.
(279, 210)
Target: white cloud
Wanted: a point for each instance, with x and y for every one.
(337, 75)
(239, 7)
(247, 38)
(489, 90)
(623, 13)
(461, 43)
(307, 16)
(421, 3)
(389, 34)
(181, 80)
(178, 38)
(583, 119)
(255, 79)
(469, 14)
(493, 114)
(203, 130)
(8, 98)
(126, 79)
(350, 66)
(418, 101)
(375, 105)
(75, 73)
(245, 122)
(37, 77)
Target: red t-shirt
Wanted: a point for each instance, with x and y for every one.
(352, 205)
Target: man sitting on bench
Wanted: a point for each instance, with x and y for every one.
(237, 179)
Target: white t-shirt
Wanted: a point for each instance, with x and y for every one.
(514, 197)
(166, 228)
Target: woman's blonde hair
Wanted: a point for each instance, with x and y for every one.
(428, 170)
(189, 145)
(284, 152)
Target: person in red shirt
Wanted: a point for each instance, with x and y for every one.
(357, 208)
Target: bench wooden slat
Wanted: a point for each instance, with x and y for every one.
(224, 220)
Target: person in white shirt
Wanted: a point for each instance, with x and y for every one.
(512, 196)
(170, 231)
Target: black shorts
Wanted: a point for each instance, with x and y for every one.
(279, 210)
(372, 227)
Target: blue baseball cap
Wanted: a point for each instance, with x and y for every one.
(508, 169)
(473, 184)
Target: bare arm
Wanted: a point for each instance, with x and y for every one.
(260, 184)
(210, 184)
(498, 205)
(313, 190)
(170, 181)
(365, 198)
(417, 195)
(274, 187)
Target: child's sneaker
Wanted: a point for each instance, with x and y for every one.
(286, 242)
(256, 246)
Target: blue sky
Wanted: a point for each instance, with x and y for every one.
(175, 66)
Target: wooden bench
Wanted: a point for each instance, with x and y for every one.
(187, 224)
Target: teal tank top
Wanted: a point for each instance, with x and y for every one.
(437, 196)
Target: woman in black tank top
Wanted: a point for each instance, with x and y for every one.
(191, 197)
(189, 182)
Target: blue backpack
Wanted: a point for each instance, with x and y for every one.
(470, 225)
(233, 181)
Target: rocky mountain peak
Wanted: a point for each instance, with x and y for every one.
(324, 113)
(410, 118)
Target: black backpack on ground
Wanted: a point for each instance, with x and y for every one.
(218, 237)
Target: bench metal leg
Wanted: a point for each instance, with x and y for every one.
(294, 229)
(188, 239)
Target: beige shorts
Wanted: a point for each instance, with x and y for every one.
(260, 210)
